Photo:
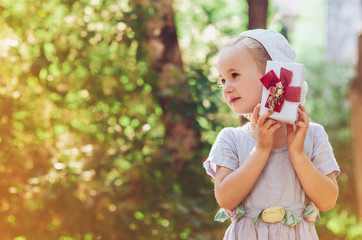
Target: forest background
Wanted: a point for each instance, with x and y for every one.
(104, 125)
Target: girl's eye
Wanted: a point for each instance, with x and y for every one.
(234, 75)
(222, 81)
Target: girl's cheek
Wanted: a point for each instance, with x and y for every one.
(224, 96)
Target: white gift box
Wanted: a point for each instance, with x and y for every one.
(289, 111)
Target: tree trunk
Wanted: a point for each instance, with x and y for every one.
(171, 90)
(258, 10)
(356, 99)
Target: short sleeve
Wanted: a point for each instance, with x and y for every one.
(223, 153)
(322, 155)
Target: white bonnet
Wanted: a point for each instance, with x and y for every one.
(274, 43)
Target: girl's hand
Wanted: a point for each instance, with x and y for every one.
(263, 129)
(295, 139)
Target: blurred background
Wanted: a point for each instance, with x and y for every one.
(108, 109)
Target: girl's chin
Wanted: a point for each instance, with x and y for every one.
(242, 109)
(239, 112)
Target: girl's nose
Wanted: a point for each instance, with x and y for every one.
(228, 88)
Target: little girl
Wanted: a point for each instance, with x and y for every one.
(270, 179)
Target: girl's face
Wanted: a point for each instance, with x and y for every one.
(239, 76)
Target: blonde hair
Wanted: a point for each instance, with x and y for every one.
(258, 51)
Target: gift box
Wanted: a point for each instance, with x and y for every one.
(282, 90)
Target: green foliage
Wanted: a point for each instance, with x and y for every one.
(344, 223)
(79, 124)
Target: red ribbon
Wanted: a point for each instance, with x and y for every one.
(291, 94)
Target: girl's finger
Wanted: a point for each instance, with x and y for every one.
(269, 123)
(255, 116)
(263, 118)
(301, 124)
(300, 117)
(302, 108)
(304, 116)
(275, 127)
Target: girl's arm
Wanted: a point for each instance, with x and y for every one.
(321, 189)
(231, 187)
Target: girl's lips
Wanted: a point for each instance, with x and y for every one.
(234, 99)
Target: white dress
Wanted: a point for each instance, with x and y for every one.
(277, 185)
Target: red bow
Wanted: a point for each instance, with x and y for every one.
(279, 89)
